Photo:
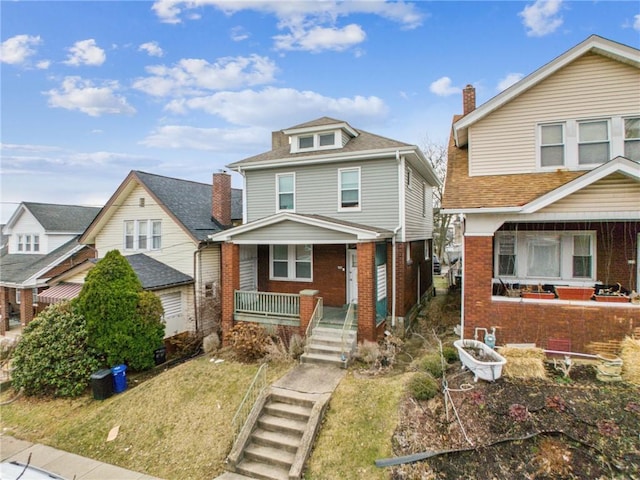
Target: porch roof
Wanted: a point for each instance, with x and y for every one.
(296, 228)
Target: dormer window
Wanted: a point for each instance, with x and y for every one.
(327, 139)
(305, 142)
(315, 141)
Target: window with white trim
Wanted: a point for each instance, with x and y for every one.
(593, 142)
(142, 234)
(285, 194)
(18, 296)
(349, 188)
(34, 296)
(305, 142)
(291, 262)
(632, 138)
(552, 145)
(545, 256)
(27, 242)
(315, 141)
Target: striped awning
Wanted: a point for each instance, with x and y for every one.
(60, 292)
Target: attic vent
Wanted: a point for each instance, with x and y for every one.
(141, 202)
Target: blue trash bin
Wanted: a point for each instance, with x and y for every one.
(119, 378)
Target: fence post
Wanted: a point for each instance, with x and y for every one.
(308, 299)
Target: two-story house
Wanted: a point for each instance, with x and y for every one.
(335, 217)
(546, 176)
(42, 243)
(161, 225)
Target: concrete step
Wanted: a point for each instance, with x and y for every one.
(262, 471)
(282, 441)
(269, 455)
(283, 425)
(232, 476)
(323, 359)
(288, 410)
(320, 330)
(325, 349)
(291, 397)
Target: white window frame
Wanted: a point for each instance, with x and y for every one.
(27, 243)
(566, 257)
(278, 192)
(629, 140)
(34, 296)
(291, 261)
(153, 238)
(409, 178)
(606, 141)
(18, 296)
(356, 208)
(563, 144)
(315, 142)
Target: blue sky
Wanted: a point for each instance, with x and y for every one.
(91, 90)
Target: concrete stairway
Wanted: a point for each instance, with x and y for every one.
(277, 438)
(325, 346)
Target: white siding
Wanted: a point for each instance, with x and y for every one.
(26, 224)
(418, 227)
(317, 192)
(593, 86)
(178, 305)
(615, 193)
(209, 268)
(289, 232)
(177, 247)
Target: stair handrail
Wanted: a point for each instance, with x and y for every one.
(258, 384)
(346, 329)
(316, 316)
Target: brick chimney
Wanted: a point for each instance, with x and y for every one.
(221, 198)
(468, 99)
(279, 139)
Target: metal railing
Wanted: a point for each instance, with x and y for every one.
(346, 330)
(316, 316)
(258, 384)
(267, 303)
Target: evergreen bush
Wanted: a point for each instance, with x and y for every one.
(423, 386)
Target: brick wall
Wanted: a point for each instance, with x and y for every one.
(367, 292)
(229, 282)
(538, 322)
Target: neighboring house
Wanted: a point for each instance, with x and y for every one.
(546, 175)
(161, 225)
(336, 213)
(42, 242)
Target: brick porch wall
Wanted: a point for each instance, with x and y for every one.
(229, 282)
(367, 292)
(520, 322)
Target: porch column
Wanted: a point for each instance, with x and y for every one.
(230, 282)
(308, 300)
(477, 282)
(26, 306)
(4, 310)
(367, 291)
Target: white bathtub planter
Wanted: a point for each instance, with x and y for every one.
(480, 359)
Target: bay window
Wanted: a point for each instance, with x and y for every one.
(291, 262)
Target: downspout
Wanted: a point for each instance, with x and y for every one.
(462, 275)
(393, 242)
(198, 277)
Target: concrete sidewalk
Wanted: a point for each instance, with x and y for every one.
(67, 465)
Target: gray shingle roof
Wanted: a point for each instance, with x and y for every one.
(15, 268)
(154, 274)
(190, 202)
(363, 142)
(62, 218)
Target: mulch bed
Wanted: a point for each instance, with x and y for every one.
(580, 428)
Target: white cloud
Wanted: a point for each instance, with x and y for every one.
(17, 50)
(636, 22)
(43, 64)
(207, 139)
(542, 17)
(317, 39)
(152, 49)
(277, 106)
(191, 76)
(443, 88)
(238, 34)
(509, 80)
(76, 93)
(85, 52)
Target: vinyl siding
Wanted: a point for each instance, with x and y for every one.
(184, 321)
(591, 87)
(209, 264)
(317, 192)
(177, 247)
(418, 227)
(27, 224)
(615, 193)
(289, 232)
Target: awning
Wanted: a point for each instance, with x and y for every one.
(60, 292)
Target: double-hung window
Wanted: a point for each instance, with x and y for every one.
(632, 138)
(593, 142)
(506, 246)
(291, 262)
(286, 187)
(582, 256)
(543, 256)
(552, 145)
(28, 243)
(142, 234)
(349, 188)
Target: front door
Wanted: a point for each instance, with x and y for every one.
(352, 276)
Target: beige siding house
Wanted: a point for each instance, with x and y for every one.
(547, 178)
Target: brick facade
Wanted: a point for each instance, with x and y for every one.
(536, 322)
(230, 282)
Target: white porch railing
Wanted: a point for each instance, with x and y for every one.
(346, 329)
(267, 303)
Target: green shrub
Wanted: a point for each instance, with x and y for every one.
(450, 353)
(123, 322)
(423, 386)
(432, 363)
(52, 357)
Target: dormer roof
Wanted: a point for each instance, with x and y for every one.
(320, 125)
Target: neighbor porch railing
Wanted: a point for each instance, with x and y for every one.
(346, 329)
(258, 384)
(267, 303)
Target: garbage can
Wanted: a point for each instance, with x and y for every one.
(160, 355)
(102, 384)
(119, 378)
